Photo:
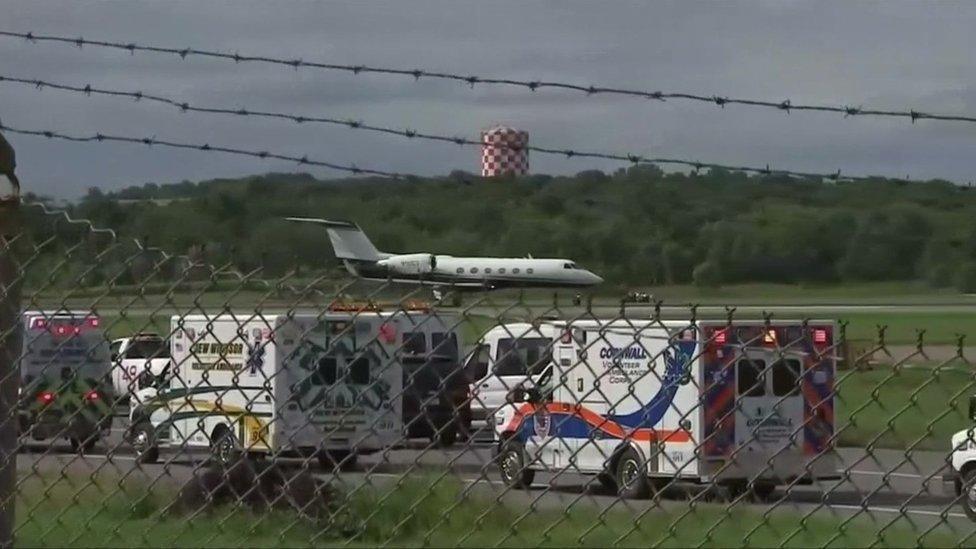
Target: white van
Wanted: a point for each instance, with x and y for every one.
(66, 386)
(640, 403)
(329, 385)
(506, 357)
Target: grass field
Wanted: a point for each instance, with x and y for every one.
(86, 512)
(904, 408)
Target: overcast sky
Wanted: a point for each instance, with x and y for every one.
(897, 55)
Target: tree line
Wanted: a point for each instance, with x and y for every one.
(637, 227)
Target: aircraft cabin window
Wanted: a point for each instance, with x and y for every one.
(474, 270)
(515, 270)
(487, 269)
(501, 271)
(460, 270)
(530, 270)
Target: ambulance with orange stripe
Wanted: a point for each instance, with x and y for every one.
(749, 406)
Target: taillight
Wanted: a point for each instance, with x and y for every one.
(46, 397)
(820, 336)
(61, 330)
(92, 396)
(40, 324)
(93, 321)
(721, 337)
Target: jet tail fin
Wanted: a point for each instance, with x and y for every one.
(348, 240)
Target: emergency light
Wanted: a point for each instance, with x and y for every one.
(769, 336)
(92, 396)
(721, 337)
(820, 336)
(45, 397)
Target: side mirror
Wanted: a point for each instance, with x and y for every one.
(533, 395)
(516, 396)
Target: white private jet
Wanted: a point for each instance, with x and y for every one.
(363, 260)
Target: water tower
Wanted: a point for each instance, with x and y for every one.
(504, 151)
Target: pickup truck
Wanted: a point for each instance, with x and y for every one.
(139, 362)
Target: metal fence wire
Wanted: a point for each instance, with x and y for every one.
(163, 401)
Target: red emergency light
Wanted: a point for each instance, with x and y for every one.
(721, 337)
(820, 336)
(46, 397)
(92, 396)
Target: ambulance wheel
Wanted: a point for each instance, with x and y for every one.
(608, 482)
(763, 490)
(511, 464)
(143, 441)
(968, 498)
(446, 437)
(343, 459)
(223, 446)
(631, 477)
(84, 445)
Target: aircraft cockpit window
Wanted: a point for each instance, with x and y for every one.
(567, 265)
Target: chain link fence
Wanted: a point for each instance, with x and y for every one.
(163, 401)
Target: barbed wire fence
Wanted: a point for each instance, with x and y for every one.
(852, 455)
(272, 411)
(721, 101)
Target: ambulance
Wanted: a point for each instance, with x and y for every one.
(65, 378)
(640, 404)
(328, 385)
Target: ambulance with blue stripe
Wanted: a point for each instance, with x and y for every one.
(639, 403)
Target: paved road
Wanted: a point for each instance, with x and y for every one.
(884, 485)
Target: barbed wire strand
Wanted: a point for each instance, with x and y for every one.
(351, 168)
(206, 147)
(185, 106)
(721, 101)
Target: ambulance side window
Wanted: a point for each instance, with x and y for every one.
(786, 377)
(414, 343)
(749, 377)
(327, 371)
(114, 349)
(444, 344)
(359, 371)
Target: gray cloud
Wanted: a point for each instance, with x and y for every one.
(881, 55)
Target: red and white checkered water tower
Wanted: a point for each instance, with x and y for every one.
(504, 151)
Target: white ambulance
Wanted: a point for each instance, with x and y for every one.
(328, 385)
(641, 403)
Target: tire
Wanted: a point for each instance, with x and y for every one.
(224, 448)
(511, 465)
(142, 438)
(968, 497)
(608, 482)
(343, 459)
(446, 437)
(83, 445)
(763, 491)
(631, 476)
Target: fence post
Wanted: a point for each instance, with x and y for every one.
(10, 341)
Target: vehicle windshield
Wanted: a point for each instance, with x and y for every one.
(522, 356)
(147, 348)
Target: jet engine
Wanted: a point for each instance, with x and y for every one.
(410, 264)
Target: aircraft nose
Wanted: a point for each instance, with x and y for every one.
(595, 279)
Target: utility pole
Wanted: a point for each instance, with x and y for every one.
(10, 341)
